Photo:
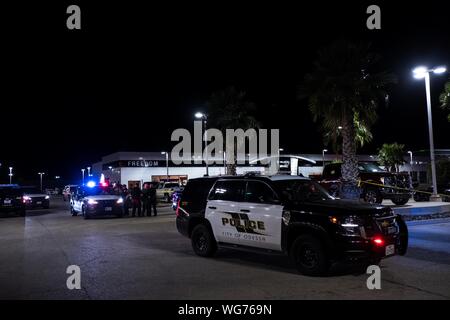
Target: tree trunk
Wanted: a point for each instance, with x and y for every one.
(350, 172)
(231, 169)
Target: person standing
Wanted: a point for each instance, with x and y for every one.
(152, 198)
(146, 200)
(136, 195)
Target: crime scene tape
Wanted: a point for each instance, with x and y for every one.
(360, 182)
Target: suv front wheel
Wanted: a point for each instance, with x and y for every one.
(203, 241)
(309, 256)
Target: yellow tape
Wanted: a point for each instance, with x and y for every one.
(397, 188)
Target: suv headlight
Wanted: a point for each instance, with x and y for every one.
(349, 225)
(47, 197)
(92, 202)
(26, 198)
(119, 201)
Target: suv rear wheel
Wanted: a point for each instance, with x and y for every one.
(309, 256)
(203, 241)
(400, 201)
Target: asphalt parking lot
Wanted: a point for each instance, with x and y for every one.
(146, 258)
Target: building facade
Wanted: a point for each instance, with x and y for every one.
(130, 168)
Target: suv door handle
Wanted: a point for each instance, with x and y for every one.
(245, 210)
(212, 208)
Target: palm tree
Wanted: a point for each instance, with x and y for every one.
(391, 156)
(343, 86)
(444, 98)
(230, 109)
(334, 137)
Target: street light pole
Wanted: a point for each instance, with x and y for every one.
(419, 73)
(82, 175)
(10, 175)
(431, 138)
(167, 164)
(89, 171)
(411, 161)
(41, 174)
(204, 118)
(323, 159)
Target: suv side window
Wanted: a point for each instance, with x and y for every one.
(259, 192)
(228, 190)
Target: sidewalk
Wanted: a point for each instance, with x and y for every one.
(412, 208)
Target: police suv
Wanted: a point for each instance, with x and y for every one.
(287, 214)
(93, 200)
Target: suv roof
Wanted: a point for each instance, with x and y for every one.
(9, 186)
(254, 177)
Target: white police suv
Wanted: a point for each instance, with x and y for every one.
(287, 214)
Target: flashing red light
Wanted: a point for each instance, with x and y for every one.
(177, 212)
(378, 241)
(104, 184)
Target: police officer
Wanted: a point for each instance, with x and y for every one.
(136, 195)
(152, 198)
(146, 200)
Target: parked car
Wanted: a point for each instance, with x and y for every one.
(68, 191)
(11, 199)
(35, 198)
(290, 215)
(376, 185)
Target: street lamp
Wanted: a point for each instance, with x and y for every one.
(41, 174)
(89, 171)
(424, 73)
(411, 160)
(204, 118)
(323, 159)
(82, 175)
(10, 175)
(167, 164)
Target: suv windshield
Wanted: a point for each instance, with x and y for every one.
(10, 192)
(31, 191)
(171, 185)
(301, 191)
(369, 167)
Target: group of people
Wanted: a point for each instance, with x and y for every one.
(141, 200)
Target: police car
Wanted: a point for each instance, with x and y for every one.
(35, 198)
(96, 200)
(290, 215)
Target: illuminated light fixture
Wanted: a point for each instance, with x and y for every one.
(420, 72)
(91, 184)
(199, 115)
(439, 70)
(378, 241)
(334, 220)
(349, 225)
(92, 201)
(119, 201)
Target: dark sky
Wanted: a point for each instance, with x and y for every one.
(134, 73)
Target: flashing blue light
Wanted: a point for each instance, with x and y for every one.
(91, 184)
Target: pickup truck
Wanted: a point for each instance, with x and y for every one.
(165, 190)
(376, 184)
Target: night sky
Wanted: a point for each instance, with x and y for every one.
(134, 73)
